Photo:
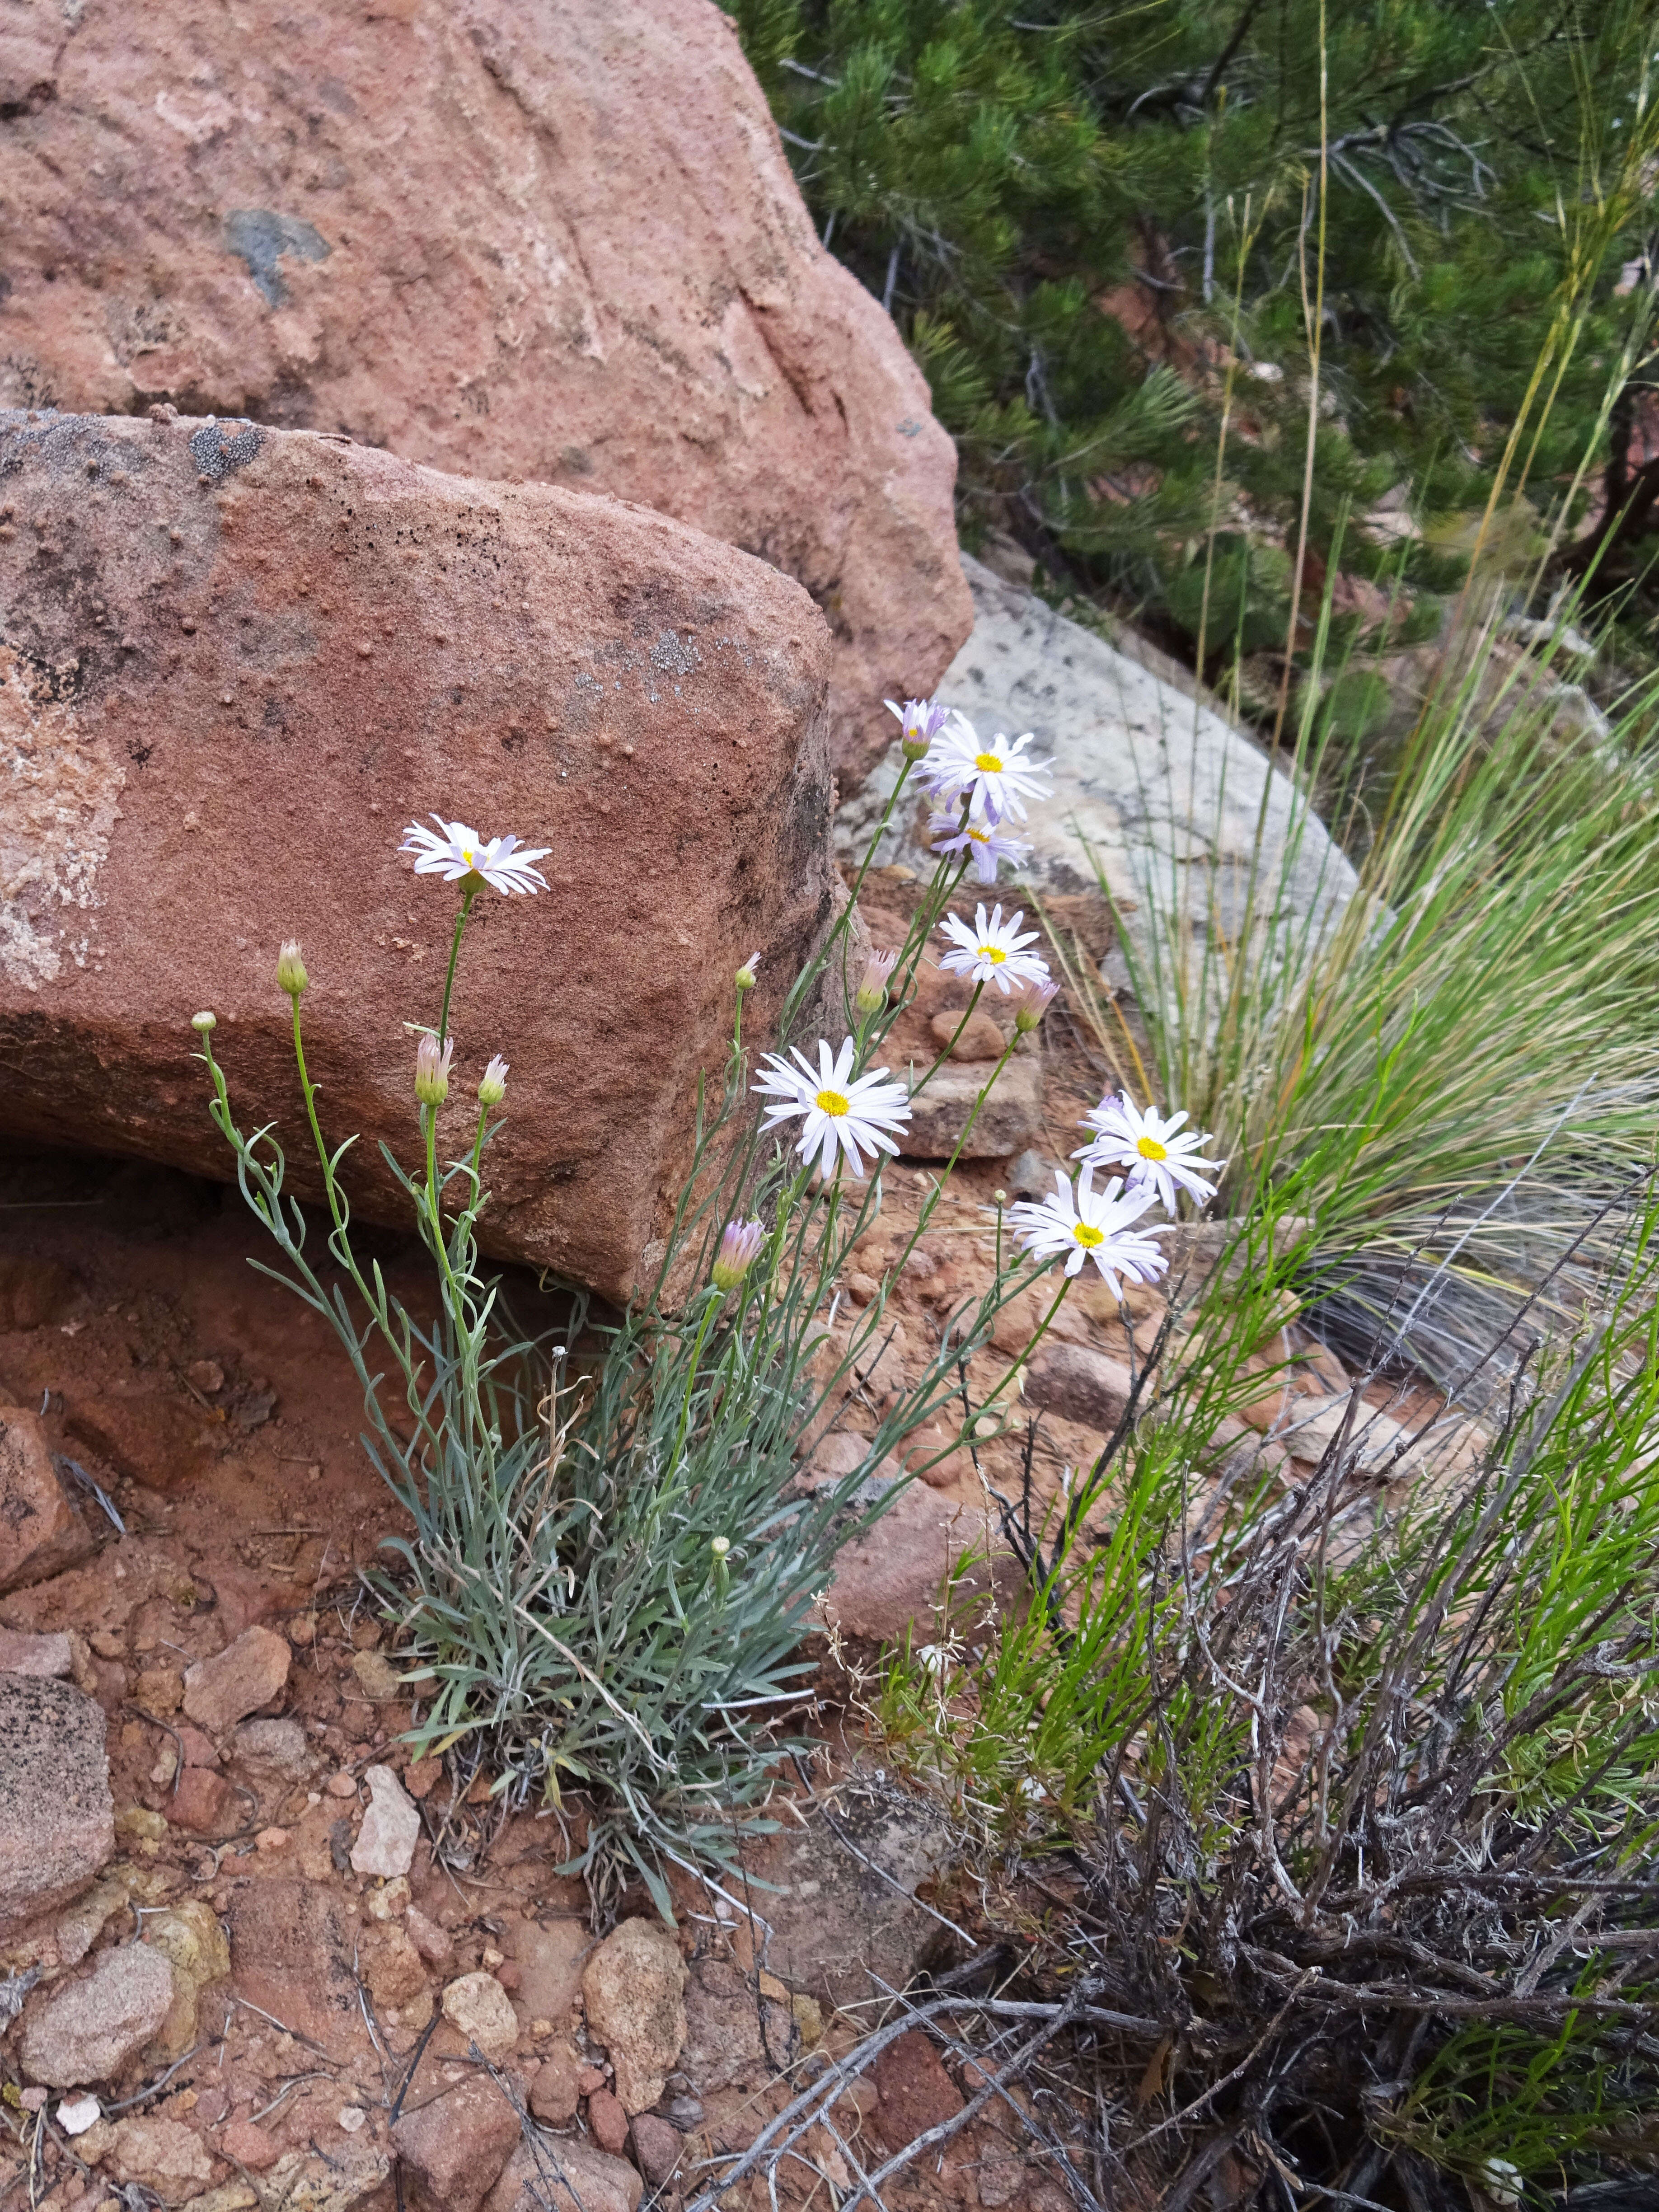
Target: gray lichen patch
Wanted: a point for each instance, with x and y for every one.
(60, 790)
(259, 238)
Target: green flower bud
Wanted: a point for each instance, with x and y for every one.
(432, 1070)
(1035, 1004)
(291, 970)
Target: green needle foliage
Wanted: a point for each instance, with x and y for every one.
(1105, 231)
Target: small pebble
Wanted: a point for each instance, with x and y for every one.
(352, 2118)
(271, 1839)
(341, 1785)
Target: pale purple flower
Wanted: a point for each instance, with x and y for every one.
(492, 1088)
(461, 852)
(290, 969)
(920, 723)
(740, 1241)
(873, 985)
(1039, 997)
(992, 951)
(432, 1069)
(987, 844)
(991, 774)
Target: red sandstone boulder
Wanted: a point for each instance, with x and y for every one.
(559, 242)
(238, 661)
(41, 1531)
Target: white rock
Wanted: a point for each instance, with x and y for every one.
(480, 2008)
(392, 1828)
(1152, 778)
(632, 1988)
(76, 2114)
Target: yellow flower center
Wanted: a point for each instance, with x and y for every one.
(980, 836)
(993, 953)
(989, 763)
(1149, 1149)
(467, 854)
(1088, 1235)
(830, 1102)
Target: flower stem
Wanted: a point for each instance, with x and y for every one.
(710, 1311)
(798, 989)
(945, 1055)
(307, 1090)
(1042, 1331)
(881, 831)
(926, 1212)
(468, 894)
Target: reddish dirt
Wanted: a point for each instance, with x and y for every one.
(222, 1421)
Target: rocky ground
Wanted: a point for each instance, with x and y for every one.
(294, 1968)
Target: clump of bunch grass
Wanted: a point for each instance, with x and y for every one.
(1450, 1060)
(1363, 1802)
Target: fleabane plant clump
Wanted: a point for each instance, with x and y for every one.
(612, 1545)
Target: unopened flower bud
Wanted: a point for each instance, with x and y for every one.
(1033, 1006)
(432, 1070)
(872, 989)
(493, 1088)
(739, 1242)
(744, 978)
(203, 1022)
(720, 1545)
(920, 722)
(291, 970)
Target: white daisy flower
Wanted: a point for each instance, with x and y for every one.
(991, 774)
(992, 951)
(460, 851)
(841, 1111)
(1152, 1148)
(987, 844)
(1085, 1224)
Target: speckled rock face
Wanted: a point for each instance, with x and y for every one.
(238, 661)
(558, 241)
(57, 1818)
